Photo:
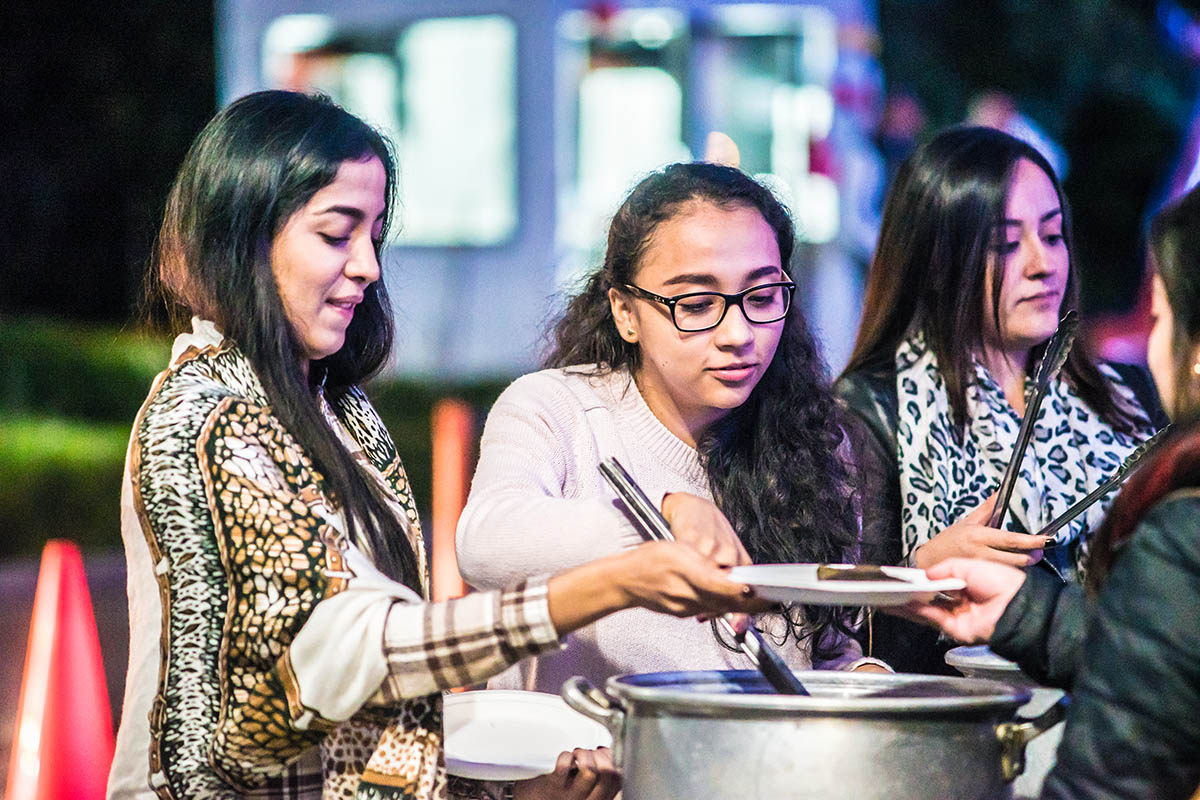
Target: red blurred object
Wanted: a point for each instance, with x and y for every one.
(822, 160)
(63, 746)
(604, 11)
(1123, 337)
(453, 428)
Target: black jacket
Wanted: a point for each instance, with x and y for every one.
(1131, 662)
(869, 395)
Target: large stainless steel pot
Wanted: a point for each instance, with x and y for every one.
(980, 662)
(725, 736)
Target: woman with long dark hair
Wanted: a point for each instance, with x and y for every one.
(970, 277)
(281, 639)
(684, 358)
(1133, 728)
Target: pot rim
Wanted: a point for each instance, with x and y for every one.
(843, 693)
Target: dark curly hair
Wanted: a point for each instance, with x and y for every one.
(774, 463)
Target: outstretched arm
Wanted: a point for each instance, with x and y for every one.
(1029, 617)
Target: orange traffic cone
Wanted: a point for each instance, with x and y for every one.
(453, 429)
(64, 741)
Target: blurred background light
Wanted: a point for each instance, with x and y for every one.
(457, 139)
(653, 28)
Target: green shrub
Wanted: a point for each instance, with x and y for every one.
(50, 367)
(60, 478)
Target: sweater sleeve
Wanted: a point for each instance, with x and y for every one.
(523, 517)
(1134, 726)
(845, 651)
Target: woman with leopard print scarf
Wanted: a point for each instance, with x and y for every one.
(969, 280)
(1126, 645)
(282, 640)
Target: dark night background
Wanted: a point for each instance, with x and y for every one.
(1100, 77)
(99, 104)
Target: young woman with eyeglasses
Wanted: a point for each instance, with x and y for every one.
(684, 358)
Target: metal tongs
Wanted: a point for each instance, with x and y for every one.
(1116, 479)
(654, 527)
(1055, 355)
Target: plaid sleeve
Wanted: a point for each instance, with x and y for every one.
(431, 647)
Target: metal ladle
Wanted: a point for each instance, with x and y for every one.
(654, 527)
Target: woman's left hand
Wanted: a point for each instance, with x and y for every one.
(578, 775)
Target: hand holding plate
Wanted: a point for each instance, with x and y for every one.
(972, 613)
(578, 775)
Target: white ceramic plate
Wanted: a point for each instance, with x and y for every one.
(798, 583)
(505, 735)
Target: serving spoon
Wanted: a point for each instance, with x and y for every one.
(654, 527)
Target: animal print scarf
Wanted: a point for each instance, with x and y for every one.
(942, 477)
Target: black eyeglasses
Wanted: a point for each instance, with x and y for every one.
(702, 311)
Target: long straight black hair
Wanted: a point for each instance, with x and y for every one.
(252, 167)
(930, 266)
(773, 463)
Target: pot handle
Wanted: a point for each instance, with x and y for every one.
(1015, 735)
(580, 695)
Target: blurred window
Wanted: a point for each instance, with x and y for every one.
(621, 111)
(770, 70)
(444, 90)
(638, 86)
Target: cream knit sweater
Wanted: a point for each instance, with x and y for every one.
(538, 505)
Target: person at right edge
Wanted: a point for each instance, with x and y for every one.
(969, 280)
(1127, 645)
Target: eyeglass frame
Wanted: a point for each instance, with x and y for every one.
(734, 299)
